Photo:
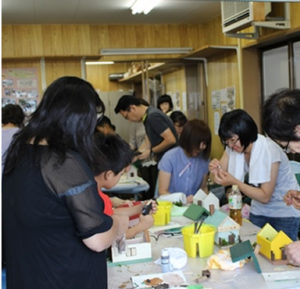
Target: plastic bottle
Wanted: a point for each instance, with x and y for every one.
(165, 260)
(235, 204)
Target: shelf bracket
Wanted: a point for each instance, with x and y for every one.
(245, 35)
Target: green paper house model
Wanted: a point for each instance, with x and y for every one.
(242, 251)
(228, 231)
(272, 243)
(195, 212)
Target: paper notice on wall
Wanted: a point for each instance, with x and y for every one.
(215, 98)
(216, 122)
(175, 99)
(227, 101)
(20, 86)
(223, 99)
(184, 107)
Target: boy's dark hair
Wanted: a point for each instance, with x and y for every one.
(238, 122)
(104, 120)
(281, 115)
(178, 117)
(117, 153)
(125, 101)
(66, 118)
(194, 132)
(13, 113)
(165, 98)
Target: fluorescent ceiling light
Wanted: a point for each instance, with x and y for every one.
(143, 6)
(133, 51)
(99, 62)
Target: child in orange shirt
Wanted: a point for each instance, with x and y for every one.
(119, 156)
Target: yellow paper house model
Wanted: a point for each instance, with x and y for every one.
(271, 242)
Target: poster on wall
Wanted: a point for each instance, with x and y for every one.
(175, 96)
(20, 86)
(222, 101)
(216, 97)
(227, 99)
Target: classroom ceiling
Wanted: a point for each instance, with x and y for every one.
(106, 12)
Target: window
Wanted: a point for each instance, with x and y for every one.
(296, 52)
(280, 67)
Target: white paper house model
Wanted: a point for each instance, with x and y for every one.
(137, 249)
(204, 200)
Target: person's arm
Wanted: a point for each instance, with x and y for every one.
(145, 223)
(132, 136)
(262, 194)
(145, 144)
(292, 198)
(292, 252)
(168, 140)
(164, 179)
(101, 241)
(118, 202)
(216, 164)
(129, 211)
(145, 149)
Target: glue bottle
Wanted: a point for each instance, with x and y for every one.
(235, 204)
(165, 260)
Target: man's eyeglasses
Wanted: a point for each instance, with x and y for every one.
(231, 142)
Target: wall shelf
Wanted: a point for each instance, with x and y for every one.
(208, 51)
(173, 64)
(153, 70)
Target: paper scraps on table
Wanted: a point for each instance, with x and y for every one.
(172, 279)
(222, 260)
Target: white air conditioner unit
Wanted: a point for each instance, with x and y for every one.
(240, 14)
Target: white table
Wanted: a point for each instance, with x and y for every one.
(245, 277)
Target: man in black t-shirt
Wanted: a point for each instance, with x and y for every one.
(161, 134)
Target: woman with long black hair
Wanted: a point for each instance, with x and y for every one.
(54, 226)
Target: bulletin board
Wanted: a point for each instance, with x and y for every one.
(223, 100)
(21, 86)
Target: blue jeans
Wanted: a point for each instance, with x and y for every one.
(289, 225)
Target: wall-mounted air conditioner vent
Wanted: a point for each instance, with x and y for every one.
(234, 12)
(239, 15)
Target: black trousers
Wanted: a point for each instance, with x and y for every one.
(149, 174)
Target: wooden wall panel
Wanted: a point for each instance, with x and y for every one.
(215, 36)
(222, 73)
(87, 40)
(98, 75)
(21, 40)
(174, 82)
(252, 83)
(76, 40)
(7, 41)
(52, 40)
(295, 12)
(59, 68)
